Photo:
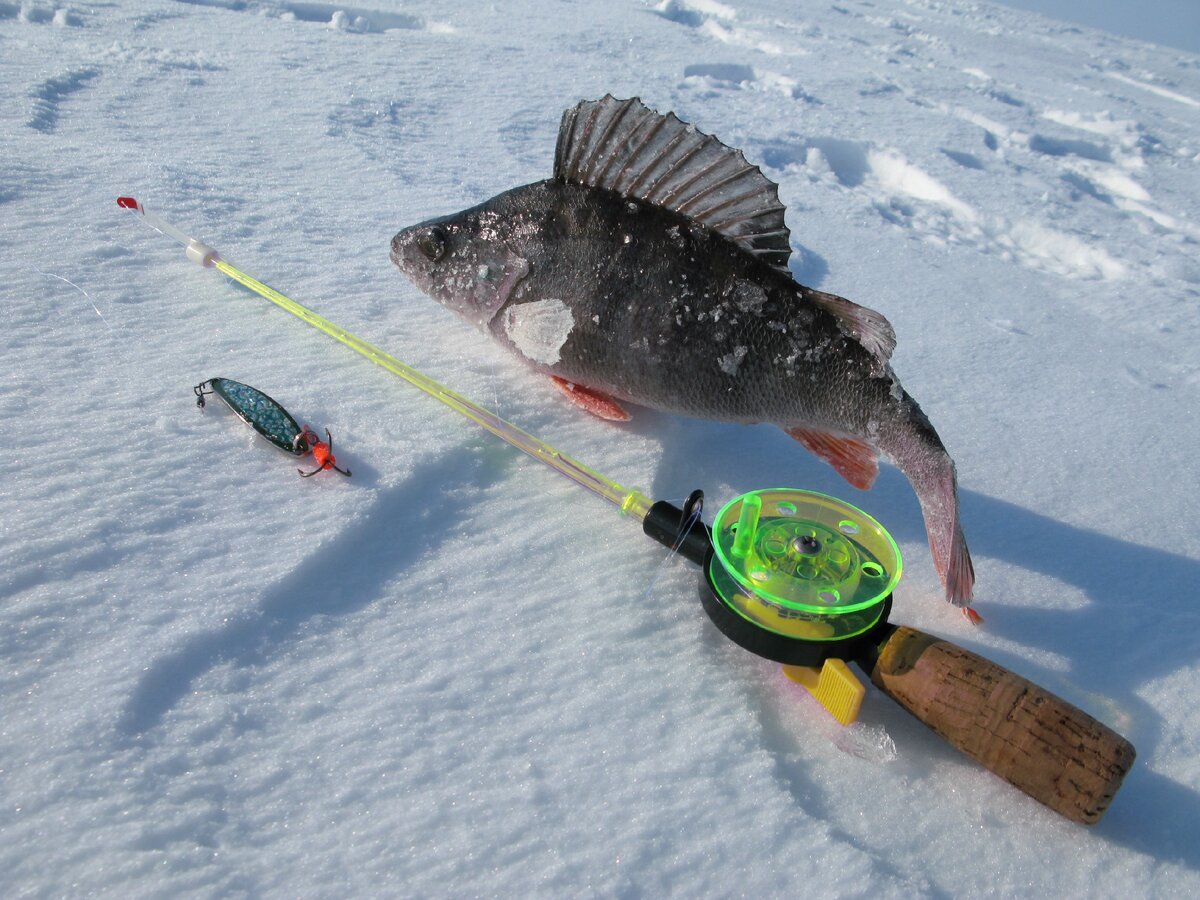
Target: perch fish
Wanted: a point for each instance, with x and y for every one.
(652, 268)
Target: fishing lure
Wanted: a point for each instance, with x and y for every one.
(272, 421)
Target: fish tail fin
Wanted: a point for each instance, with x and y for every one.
(920, 455)
(937, 491)
(958, 572)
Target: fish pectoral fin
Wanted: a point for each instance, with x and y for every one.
(594, 402)
(855, 459)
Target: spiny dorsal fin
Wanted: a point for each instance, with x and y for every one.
(870, 328)
(624, 146)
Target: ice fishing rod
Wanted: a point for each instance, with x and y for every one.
(806, 580)
(628, 501)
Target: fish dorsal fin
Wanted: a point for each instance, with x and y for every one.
(624, 146)
(870, 328)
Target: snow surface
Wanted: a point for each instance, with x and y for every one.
(456, 674)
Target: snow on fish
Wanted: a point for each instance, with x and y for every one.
(652, 268)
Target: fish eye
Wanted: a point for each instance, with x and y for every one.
(433, 243)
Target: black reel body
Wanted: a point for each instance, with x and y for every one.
(791, 651)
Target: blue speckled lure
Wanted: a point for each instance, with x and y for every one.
(271, 420)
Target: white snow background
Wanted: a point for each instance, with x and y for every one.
(456, 674)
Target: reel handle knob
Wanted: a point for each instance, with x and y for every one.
(1051, 750)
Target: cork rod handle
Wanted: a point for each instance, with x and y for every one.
(1051, 750)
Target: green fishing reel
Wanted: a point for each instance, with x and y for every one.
(791, 575)
(794, 575)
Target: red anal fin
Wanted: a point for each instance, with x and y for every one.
(855, 460)
(595, 403)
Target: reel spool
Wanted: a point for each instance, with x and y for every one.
(798, 577)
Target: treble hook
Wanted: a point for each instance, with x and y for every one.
(322, 451)
(201, 393)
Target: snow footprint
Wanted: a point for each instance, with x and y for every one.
(354, 20)
(345, 18)
(695, 13)
(725, 76)
(1105, 170)
(901, 192)
(39, 15)
(907, 196)
(47, 97)
(719, 22)
(715, 20)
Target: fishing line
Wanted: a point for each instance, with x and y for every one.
(78, 288)
(693, 508)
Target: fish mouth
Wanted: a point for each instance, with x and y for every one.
(397, 251)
